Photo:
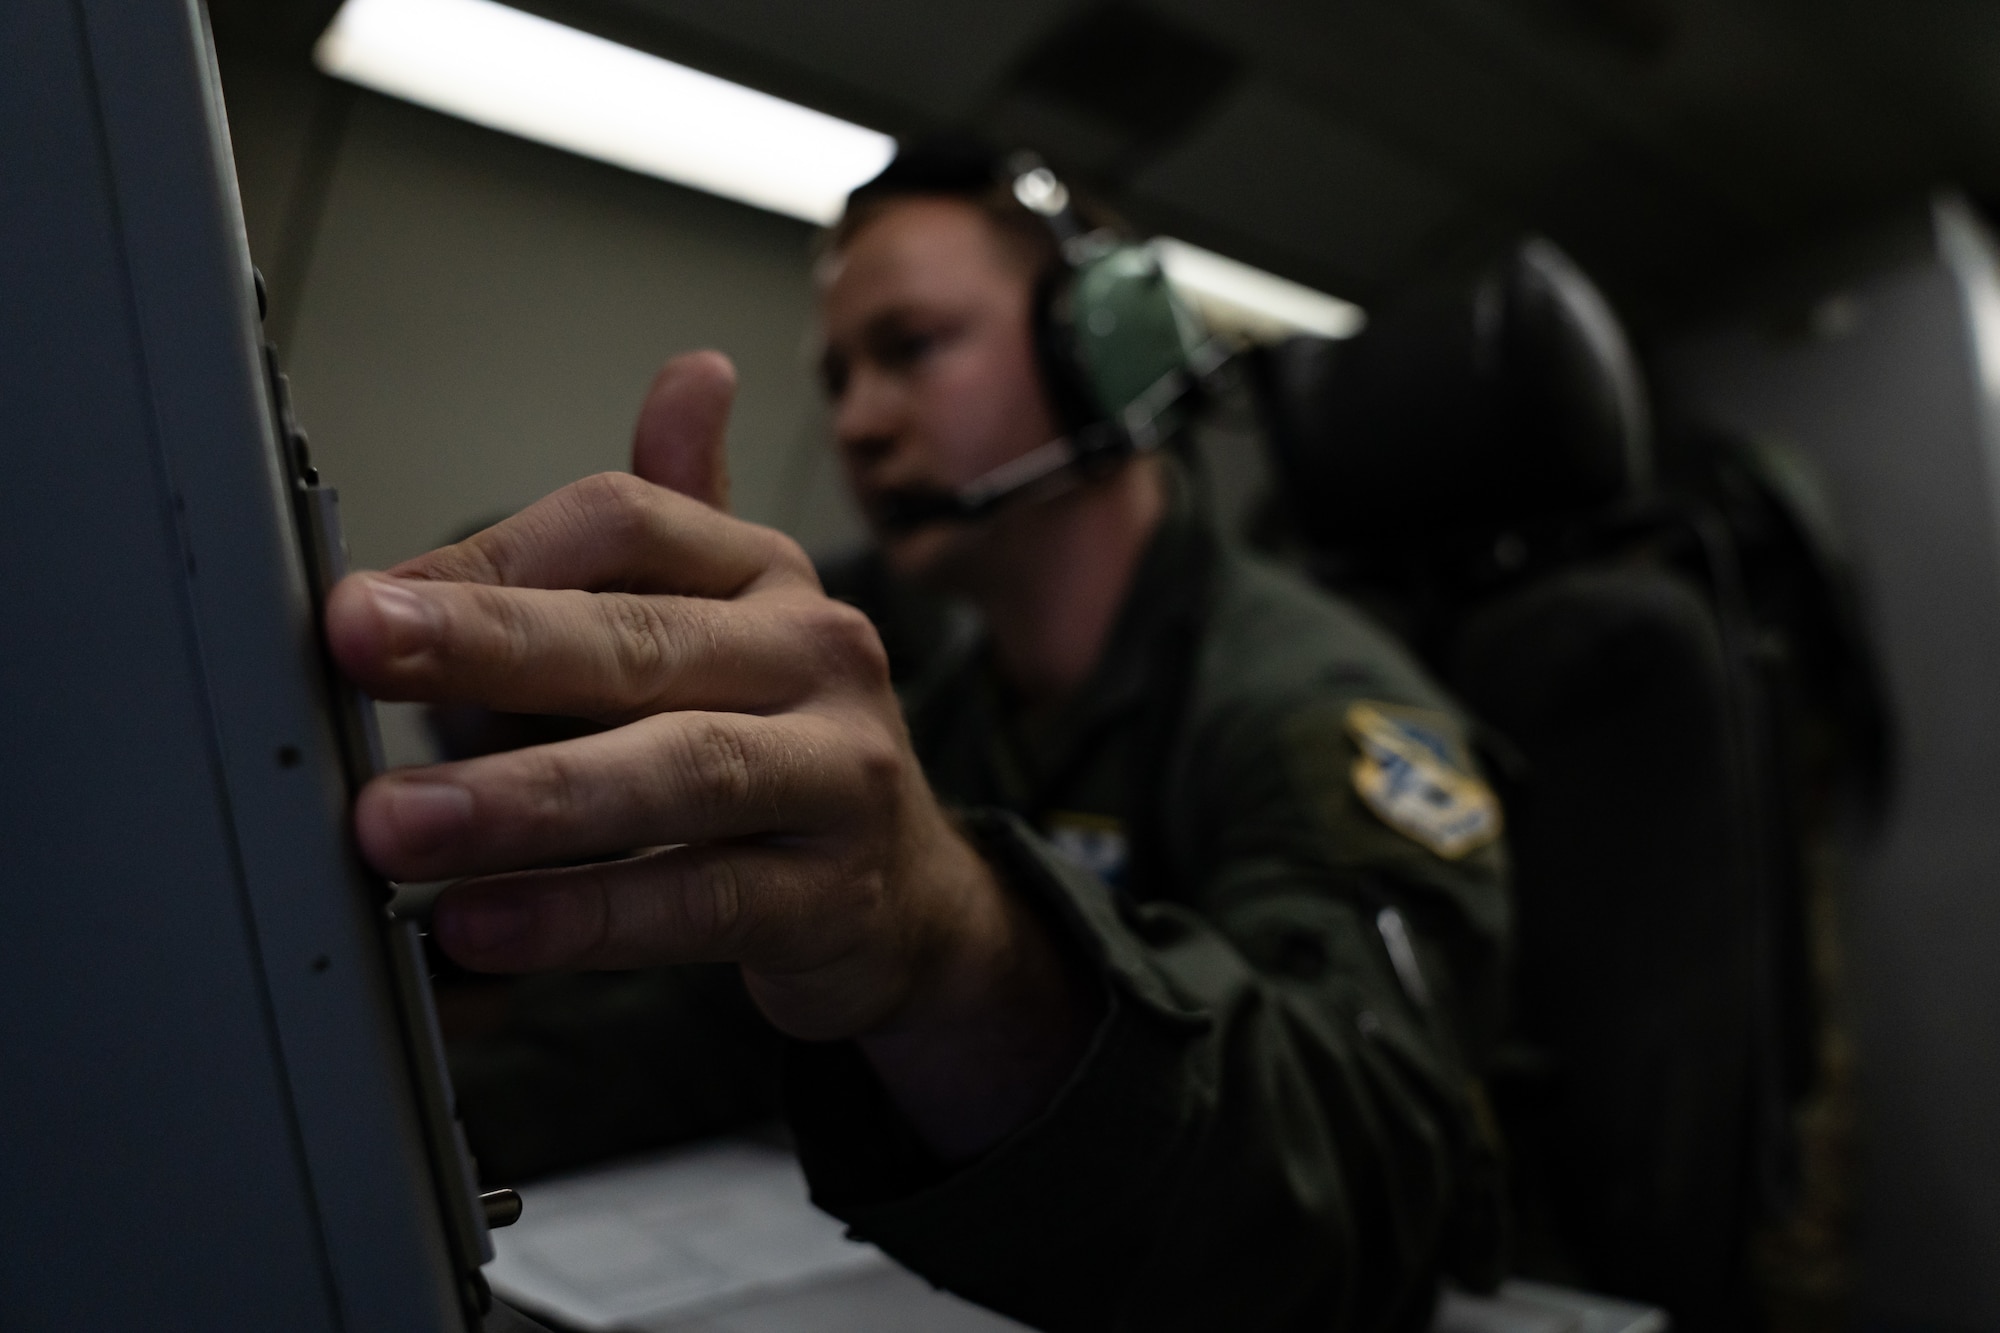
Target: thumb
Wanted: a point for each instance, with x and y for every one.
(683, 425)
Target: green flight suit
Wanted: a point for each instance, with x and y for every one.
(1277, 1124)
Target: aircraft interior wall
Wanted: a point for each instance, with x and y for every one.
(470, 320)
(1887, 384)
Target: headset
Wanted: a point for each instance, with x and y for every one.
(1121, 356)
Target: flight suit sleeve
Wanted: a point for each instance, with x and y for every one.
(1275, 1126)
(574, 1068)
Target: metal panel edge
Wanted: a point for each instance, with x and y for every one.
(315, 914)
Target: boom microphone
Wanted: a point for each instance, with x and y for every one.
(1097, 444)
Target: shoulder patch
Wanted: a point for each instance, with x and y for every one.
(1095, 842)
(1415, 779)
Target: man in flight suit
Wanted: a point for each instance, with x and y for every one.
(1134, 966)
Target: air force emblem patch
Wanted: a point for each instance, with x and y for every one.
(1095, 842)
(1415, 779)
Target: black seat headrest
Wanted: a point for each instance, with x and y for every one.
(1513, 400)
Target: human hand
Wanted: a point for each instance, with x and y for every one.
(752, 742)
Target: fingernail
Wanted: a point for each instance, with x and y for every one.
(407, 618)
(471, 927)
(428, 815)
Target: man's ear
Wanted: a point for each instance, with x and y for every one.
(683, 427)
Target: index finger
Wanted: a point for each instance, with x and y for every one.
(614, 532)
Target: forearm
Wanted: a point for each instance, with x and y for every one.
(1236, 1149)
(1000, 1022)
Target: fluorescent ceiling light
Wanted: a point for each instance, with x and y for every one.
(1236, 296)
(528, 76)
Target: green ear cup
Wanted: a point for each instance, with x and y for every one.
(1128, 330)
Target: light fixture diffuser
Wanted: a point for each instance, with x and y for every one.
(512, 71)
(1234, 295)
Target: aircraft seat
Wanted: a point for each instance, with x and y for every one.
(1476, 467)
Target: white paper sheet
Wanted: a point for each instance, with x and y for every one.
(641, 1242)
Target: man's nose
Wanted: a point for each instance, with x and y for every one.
(868, 419)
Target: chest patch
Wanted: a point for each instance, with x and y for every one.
(1415, 779)
(1095, 842)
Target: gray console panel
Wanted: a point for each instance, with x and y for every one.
(210, 1099)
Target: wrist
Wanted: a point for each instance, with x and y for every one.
(968, 960)
(998, 1017)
